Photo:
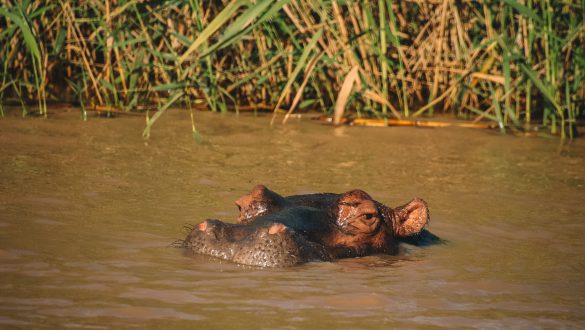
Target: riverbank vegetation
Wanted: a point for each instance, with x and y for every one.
(517, 63)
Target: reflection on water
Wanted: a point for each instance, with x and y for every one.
(88, 210)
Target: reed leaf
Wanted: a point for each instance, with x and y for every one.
(299, 66)
(522, 9)
(308, 72)
(215, 25)
(150, 121)
(344, 93)
(540, 85)
(29, 38)
(243, 24)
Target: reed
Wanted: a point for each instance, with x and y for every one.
(519, 63)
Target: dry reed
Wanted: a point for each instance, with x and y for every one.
(518, 63)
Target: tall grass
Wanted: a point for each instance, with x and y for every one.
(519, 63)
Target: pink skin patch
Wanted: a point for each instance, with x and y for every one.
(276, 228)
(202, 226)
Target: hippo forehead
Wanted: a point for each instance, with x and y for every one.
(355, 202)
(354, 197)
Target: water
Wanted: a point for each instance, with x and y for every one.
(88, 210)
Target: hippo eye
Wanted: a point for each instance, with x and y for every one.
(369, 216)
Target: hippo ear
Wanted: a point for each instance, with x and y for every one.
(411, 218)
(259, 191)
(262, 193)
(257, 202)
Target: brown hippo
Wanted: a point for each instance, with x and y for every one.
(350, 225)
(407, 221)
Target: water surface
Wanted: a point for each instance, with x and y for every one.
(88, 210)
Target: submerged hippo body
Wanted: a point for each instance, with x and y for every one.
(261, 201)
(273, 231)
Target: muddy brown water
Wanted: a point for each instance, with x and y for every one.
(88, 210)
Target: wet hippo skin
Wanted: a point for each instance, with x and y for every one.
(262, 200)
(268, 242)
(274, 232)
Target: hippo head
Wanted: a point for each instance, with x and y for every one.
(258, 202)
(356, 213)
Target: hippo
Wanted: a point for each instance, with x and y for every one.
(275, 232)
(262, 200)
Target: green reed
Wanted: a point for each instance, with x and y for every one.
(519, 63)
